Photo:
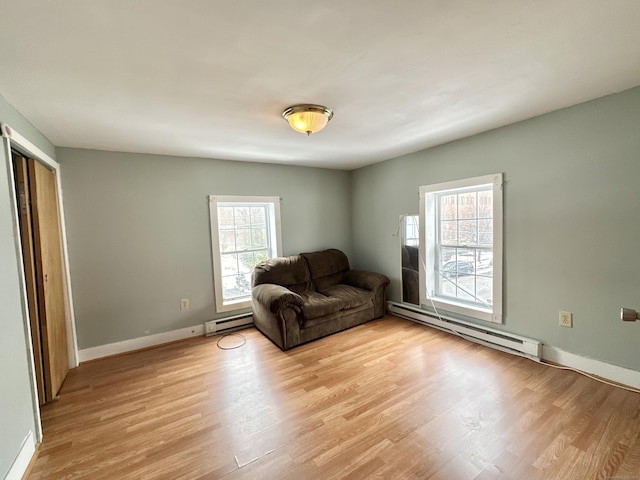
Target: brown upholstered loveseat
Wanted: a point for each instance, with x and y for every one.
(307, 296)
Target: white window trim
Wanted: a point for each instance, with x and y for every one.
(276, 237)
(427, 237)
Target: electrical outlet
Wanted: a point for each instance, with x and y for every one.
(184, 304)
(565, 319)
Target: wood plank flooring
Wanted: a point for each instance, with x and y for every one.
(389, 399)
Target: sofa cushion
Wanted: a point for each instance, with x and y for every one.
(351, 296)
(327, 267)
(291, 272)
(322, 325)
(317, 305)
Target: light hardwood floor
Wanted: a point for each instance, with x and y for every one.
(388, 399)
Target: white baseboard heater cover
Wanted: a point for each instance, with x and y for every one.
(227, 324)
(505, 341)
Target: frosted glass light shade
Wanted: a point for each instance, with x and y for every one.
(307, 118)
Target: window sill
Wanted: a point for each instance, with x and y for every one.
(233, 306)
(458, 308)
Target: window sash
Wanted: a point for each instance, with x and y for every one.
(462, 273)
(244, 231)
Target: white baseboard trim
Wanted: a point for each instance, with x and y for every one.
(599, 368)
(139, 343)
(23, 459)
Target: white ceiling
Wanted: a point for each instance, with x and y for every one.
(209, 78)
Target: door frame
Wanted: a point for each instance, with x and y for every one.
(13, 140)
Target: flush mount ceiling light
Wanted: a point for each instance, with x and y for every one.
(307, 118)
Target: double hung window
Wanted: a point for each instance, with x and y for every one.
(462, 247)
(244, 232)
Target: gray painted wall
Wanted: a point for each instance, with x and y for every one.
(17, 416)
(572, 220)
(139, 236)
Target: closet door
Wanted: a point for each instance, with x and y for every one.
(21, 165)
(49, 278)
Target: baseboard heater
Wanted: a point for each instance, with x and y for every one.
(228, 324)
(490, 337)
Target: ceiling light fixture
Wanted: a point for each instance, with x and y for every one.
(307, 118)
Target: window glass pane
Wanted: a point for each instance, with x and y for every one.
(243, 239)
(449, 232)
(448, 207)
(468, 234)
(236, 286)
(229, 264)
(229, 286)
(242, 216)
(227, 240)
(261, 256)
(485, 232)
(467, 205)
(466, 288)
(484, 262)
(258, 216)
(468, 254)
(458, 279)
(447, 253)
(485, 289)
(225, 217)
(485, 204)
(259, 237)
(247, 262)
(244, 284)
(447, 285)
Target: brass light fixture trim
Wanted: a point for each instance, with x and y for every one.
(307, 117)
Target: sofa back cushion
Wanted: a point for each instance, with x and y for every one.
(291, 272)
(327, 267)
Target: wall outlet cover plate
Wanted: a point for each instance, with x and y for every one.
(565, 319)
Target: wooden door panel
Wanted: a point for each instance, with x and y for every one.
(48, 250)
(28, 256)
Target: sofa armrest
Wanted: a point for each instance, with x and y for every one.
(275, 297)
(366, 280)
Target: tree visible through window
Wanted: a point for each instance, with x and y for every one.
(244, 232)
